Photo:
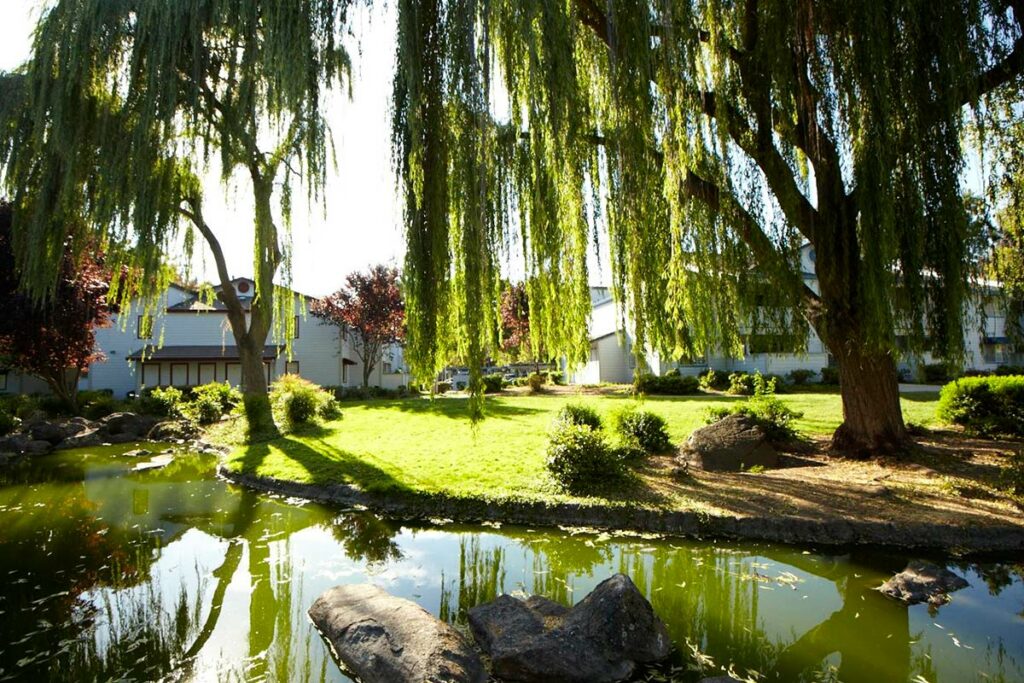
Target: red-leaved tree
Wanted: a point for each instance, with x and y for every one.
(516, 340)
(369, 307)
(54, 340)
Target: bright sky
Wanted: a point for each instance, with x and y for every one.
(362, 222)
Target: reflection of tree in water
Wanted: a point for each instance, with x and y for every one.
(481, 579)
(367, 537)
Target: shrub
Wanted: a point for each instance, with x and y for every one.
(1012, 474)
(934, 373)
(100, 407)
(330, 409)
(222, 394)
(800, 376)
(53, 406)
(493, 383)
(8, 422)
(741, 383)
(710, 379)
(669, 385)
(643, 429)
(1008, 370)
(829, 375)
(204, 409)
(578, 457)
(985, 405)
(765, 408)
(298, 401)
(162, 402)
(536, 382)
(20, 405)
(578, 414)
(444, 387)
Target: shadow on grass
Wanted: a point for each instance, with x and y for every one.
(323, 464)
(920, 396)
(456, 408)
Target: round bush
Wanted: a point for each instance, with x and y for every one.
(985, 405)
(643, 428)
(578, 414)
(330, 409)
(536, 382)
(578, 457)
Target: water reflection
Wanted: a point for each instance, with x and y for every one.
(172, 574)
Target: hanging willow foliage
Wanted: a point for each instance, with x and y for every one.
(711, 139)
(109, 127)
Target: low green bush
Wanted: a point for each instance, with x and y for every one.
(1008, 370)
(20, 406)
(298, 401)
(711, 379)
(741, 384)
(100, 406)
(642, 429)
(829, 376)
(493, 383)
(553, 376)
(579, 414)
(578, 457)
(984, 405)
(222, 394)
(54, 406)
(935, 373)
(536, 382)
(667, 385)
(444, 387)
(801, 376)
(765, 408)
(162, 402)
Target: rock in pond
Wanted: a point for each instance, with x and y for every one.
(384, 639)
(733, 443)
(923, 582)
(600, 640)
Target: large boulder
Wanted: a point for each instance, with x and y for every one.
(37, 447)
(87, 438)
(601, 639)
(14, 443)
(923, 582)
(384, 639)
(734, 443)
(170, 430)
(51, 432)
(126, 424)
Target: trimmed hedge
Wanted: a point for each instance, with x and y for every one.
(578, 414)
(298, 401)
(985, 405)
(642, 429)
(669, 385)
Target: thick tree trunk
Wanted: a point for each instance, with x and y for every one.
(872, 416)
(258, 412)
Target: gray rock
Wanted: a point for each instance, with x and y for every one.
(138, 453)
(84, 439)
(118, 439)
(601, 639)
(14, 443)
(51, 432)
(384, 639)
(733, 443)
(38, 447)
(117, 424)
(169, 430)
(923, 582)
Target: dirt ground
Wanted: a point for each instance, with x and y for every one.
(949, 478)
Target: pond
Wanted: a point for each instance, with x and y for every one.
(172, 574)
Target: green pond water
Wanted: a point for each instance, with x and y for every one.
(172, 574)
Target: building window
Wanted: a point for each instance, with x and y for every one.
(144, 327)
(296, 328)
(387, 368)
(344, 373)
(291, 367)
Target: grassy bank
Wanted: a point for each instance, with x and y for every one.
(432, 447)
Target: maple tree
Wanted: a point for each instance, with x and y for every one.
(55, 339)
(516, 339)
(370, 307)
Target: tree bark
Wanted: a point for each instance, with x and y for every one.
(872, 416)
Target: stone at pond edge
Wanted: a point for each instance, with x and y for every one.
(599, 640)
(384, 639)
(923, 582)
(720, 679)
(733, 443)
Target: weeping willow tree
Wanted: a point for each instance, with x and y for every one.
(122, 109)
(711, 140)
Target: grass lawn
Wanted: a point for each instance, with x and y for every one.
(432, 447)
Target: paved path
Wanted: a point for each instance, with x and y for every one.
(919, 388)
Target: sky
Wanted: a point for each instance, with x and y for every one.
(360, 222)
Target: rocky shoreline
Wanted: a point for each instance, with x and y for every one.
(920, 536)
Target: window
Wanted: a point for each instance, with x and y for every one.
(144, 327)
(593, 352)
(296, 328)
(387, 368)
(344, 373)
(291, 367)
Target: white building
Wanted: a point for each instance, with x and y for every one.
(188, 342)
(612, 359)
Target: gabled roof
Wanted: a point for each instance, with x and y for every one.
(195, 304)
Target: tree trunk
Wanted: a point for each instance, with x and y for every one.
(872, 416)
(258, 412)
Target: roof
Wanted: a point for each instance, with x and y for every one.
(196, 304)
(195, 352)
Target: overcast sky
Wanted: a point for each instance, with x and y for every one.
(363, 212)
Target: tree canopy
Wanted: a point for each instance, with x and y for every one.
(711, 140)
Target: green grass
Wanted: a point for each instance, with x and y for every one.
(432, 447)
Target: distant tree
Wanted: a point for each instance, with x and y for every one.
(53, 340)
(515, 322)
(370, 308)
